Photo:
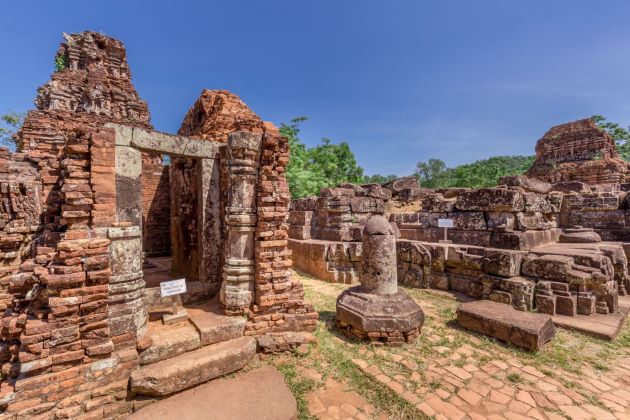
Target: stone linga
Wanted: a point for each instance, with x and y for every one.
(376, 309)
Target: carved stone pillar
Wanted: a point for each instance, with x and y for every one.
(237, 289)
(208, 223)
(127, 309)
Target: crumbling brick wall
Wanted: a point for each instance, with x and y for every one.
(63, 348)
(280, 304)
(578, 151)
(20, 208)
(213, 116)
(279, 301)
(70, 236)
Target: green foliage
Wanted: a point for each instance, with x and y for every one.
(9, 124)
(483, 173)
(617, 132)
(430, 172)
(378, 178)
(60, 62)
(312, 168)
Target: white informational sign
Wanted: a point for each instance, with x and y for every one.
(445, 223)
(173, 287)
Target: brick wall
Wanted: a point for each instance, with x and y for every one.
(156, 212)
(64, 352)
(280, 304)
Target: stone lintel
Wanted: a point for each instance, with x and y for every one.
(157, 142)
(124, 232)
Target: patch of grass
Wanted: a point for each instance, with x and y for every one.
(601, 366)
(460, 362)
(435, 384)
(298, 386)
(515, 378)
(447, 314)
(594, 400)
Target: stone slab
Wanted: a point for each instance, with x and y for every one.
(261, 394)
(606, 327)
(157, 142)
(170, 341)
(214, 328)
(524, 329)
(189, 369)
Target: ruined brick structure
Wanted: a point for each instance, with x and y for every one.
(86, 194)
(578, 151)
(558, 248)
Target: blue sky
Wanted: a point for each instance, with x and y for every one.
(401, 81)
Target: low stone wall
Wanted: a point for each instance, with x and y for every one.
(335, 262)
(564, 279)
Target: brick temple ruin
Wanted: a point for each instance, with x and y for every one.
(89, 212)
(555, 240)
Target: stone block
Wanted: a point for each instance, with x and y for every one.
(566, 305)
(535, 221)
(523, 240)
(546, 304)
(215, 328)
(528, 330)
(613, 219)
(490, 199)
(504, 263)
(299, 232)
(300, 218)
(436, 203)
(170, 342)
(501, 221)
(367, 205)
(544, 203)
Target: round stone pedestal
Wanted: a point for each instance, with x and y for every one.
(385, 319)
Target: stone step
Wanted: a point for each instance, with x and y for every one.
(215, 328)
(170, 341)
(189, 369)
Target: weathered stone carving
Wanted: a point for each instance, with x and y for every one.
(377, 309)
(240, 215)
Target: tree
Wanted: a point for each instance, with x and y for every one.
(312, 168)
(429, 173)
(9, 124)
(479, 174)
(378, 178)
(617, 132)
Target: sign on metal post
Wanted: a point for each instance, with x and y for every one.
(173, 288)
(445, 223)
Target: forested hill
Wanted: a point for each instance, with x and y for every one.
(482, 173)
